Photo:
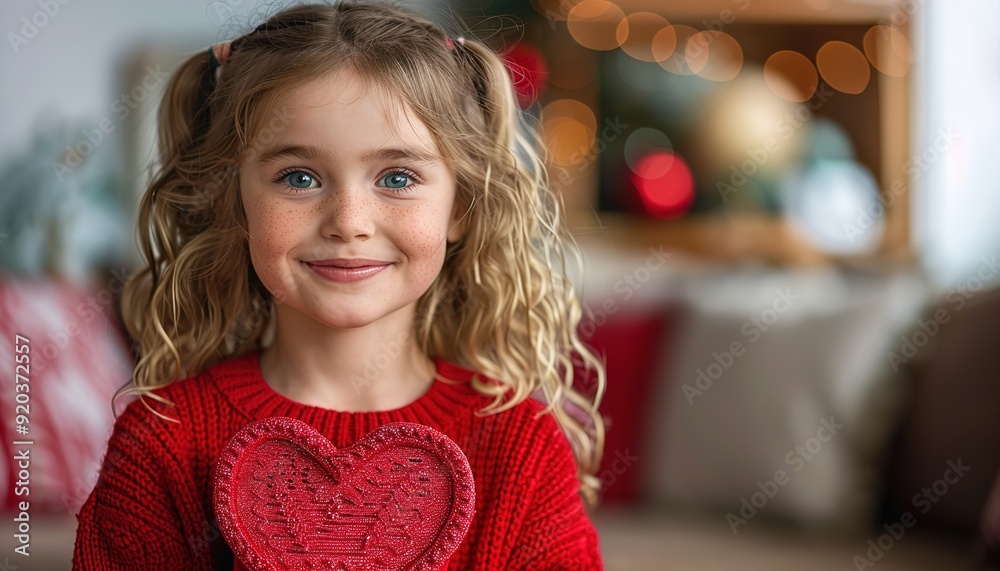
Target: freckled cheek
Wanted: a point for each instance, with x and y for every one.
(425, 275)
(271, 235)
(425, 254)
(422, 234)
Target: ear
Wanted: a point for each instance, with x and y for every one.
(458, 224)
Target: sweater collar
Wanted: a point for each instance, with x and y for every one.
(241, 382)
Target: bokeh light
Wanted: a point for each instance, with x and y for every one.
(843, 66)
(825, 202)
(791, 76)
(640, 74)
(675, 62)
(745, 127)
(665, 184)
(827, 141)
(527, 71)
(642, 142)
(570, 108)
(888, 50)
(595, 24)
(714, 55)
(568, 129)
(637, 33)
(556, 10)
(664, 43)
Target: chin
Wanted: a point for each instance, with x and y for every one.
(352, 319)
(348, 321)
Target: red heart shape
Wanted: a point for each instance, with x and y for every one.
(401, 498)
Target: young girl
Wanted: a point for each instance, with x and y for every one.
(349, 228)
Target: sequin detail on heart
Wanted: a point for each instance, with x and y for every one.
(401, 498)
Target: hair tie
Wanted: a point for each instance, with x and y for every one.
(451, 46)
(218, 54)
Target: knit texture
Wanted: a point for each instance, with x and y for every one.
(152, 505)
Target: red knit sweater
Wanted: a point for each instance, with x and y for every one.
(152, 506)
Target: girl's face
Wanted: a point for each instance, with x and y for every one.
(330, 185)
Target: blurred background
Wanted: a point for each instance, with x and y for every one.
(788, 212)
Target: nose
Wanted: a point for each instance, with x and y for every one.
(349, 214)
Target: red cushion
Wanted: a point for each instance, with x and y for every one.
(632, 346)
(78, 358)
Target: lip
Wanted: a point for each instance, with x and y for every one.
(348, 262)
(347, 270)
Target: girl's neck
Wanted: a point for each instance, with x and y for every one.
(371, 368)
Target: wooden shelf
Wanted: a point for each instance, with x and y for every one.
(724, 238)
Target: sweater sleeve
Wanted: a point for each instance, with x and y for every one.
(130, 520)
(557, 534)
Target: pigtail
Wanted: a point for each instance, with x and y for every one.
(184, 112)
(492, 88)
(173, 334)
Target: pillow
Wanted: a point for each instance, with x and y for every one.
(953, 416)
(630, 344)
(778, 404)
(78, 359)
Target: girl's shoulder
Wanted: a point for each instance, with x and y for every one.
(181, 422)
(175, 401)
(479, 386)
(526, 422)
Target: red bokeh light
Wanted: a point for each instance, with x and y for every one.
(528, 72)
(665, 184)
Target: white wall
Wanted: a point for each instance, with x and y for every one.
(70, 67)
(957, 117)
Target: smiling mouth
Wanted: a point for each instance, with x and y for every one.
(347, 263)
(352, 273)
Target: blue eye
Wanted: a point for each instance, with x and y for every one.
(299, 179)
(396, 180)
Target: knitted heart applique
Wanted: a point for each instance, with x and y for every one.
(401, 498)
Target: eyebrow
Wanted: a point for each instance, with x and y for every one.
(369, 156)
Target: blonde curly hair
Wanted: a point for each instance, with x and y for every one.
(502, 304)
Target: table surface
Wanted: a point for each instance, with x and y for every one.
(638, 541)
